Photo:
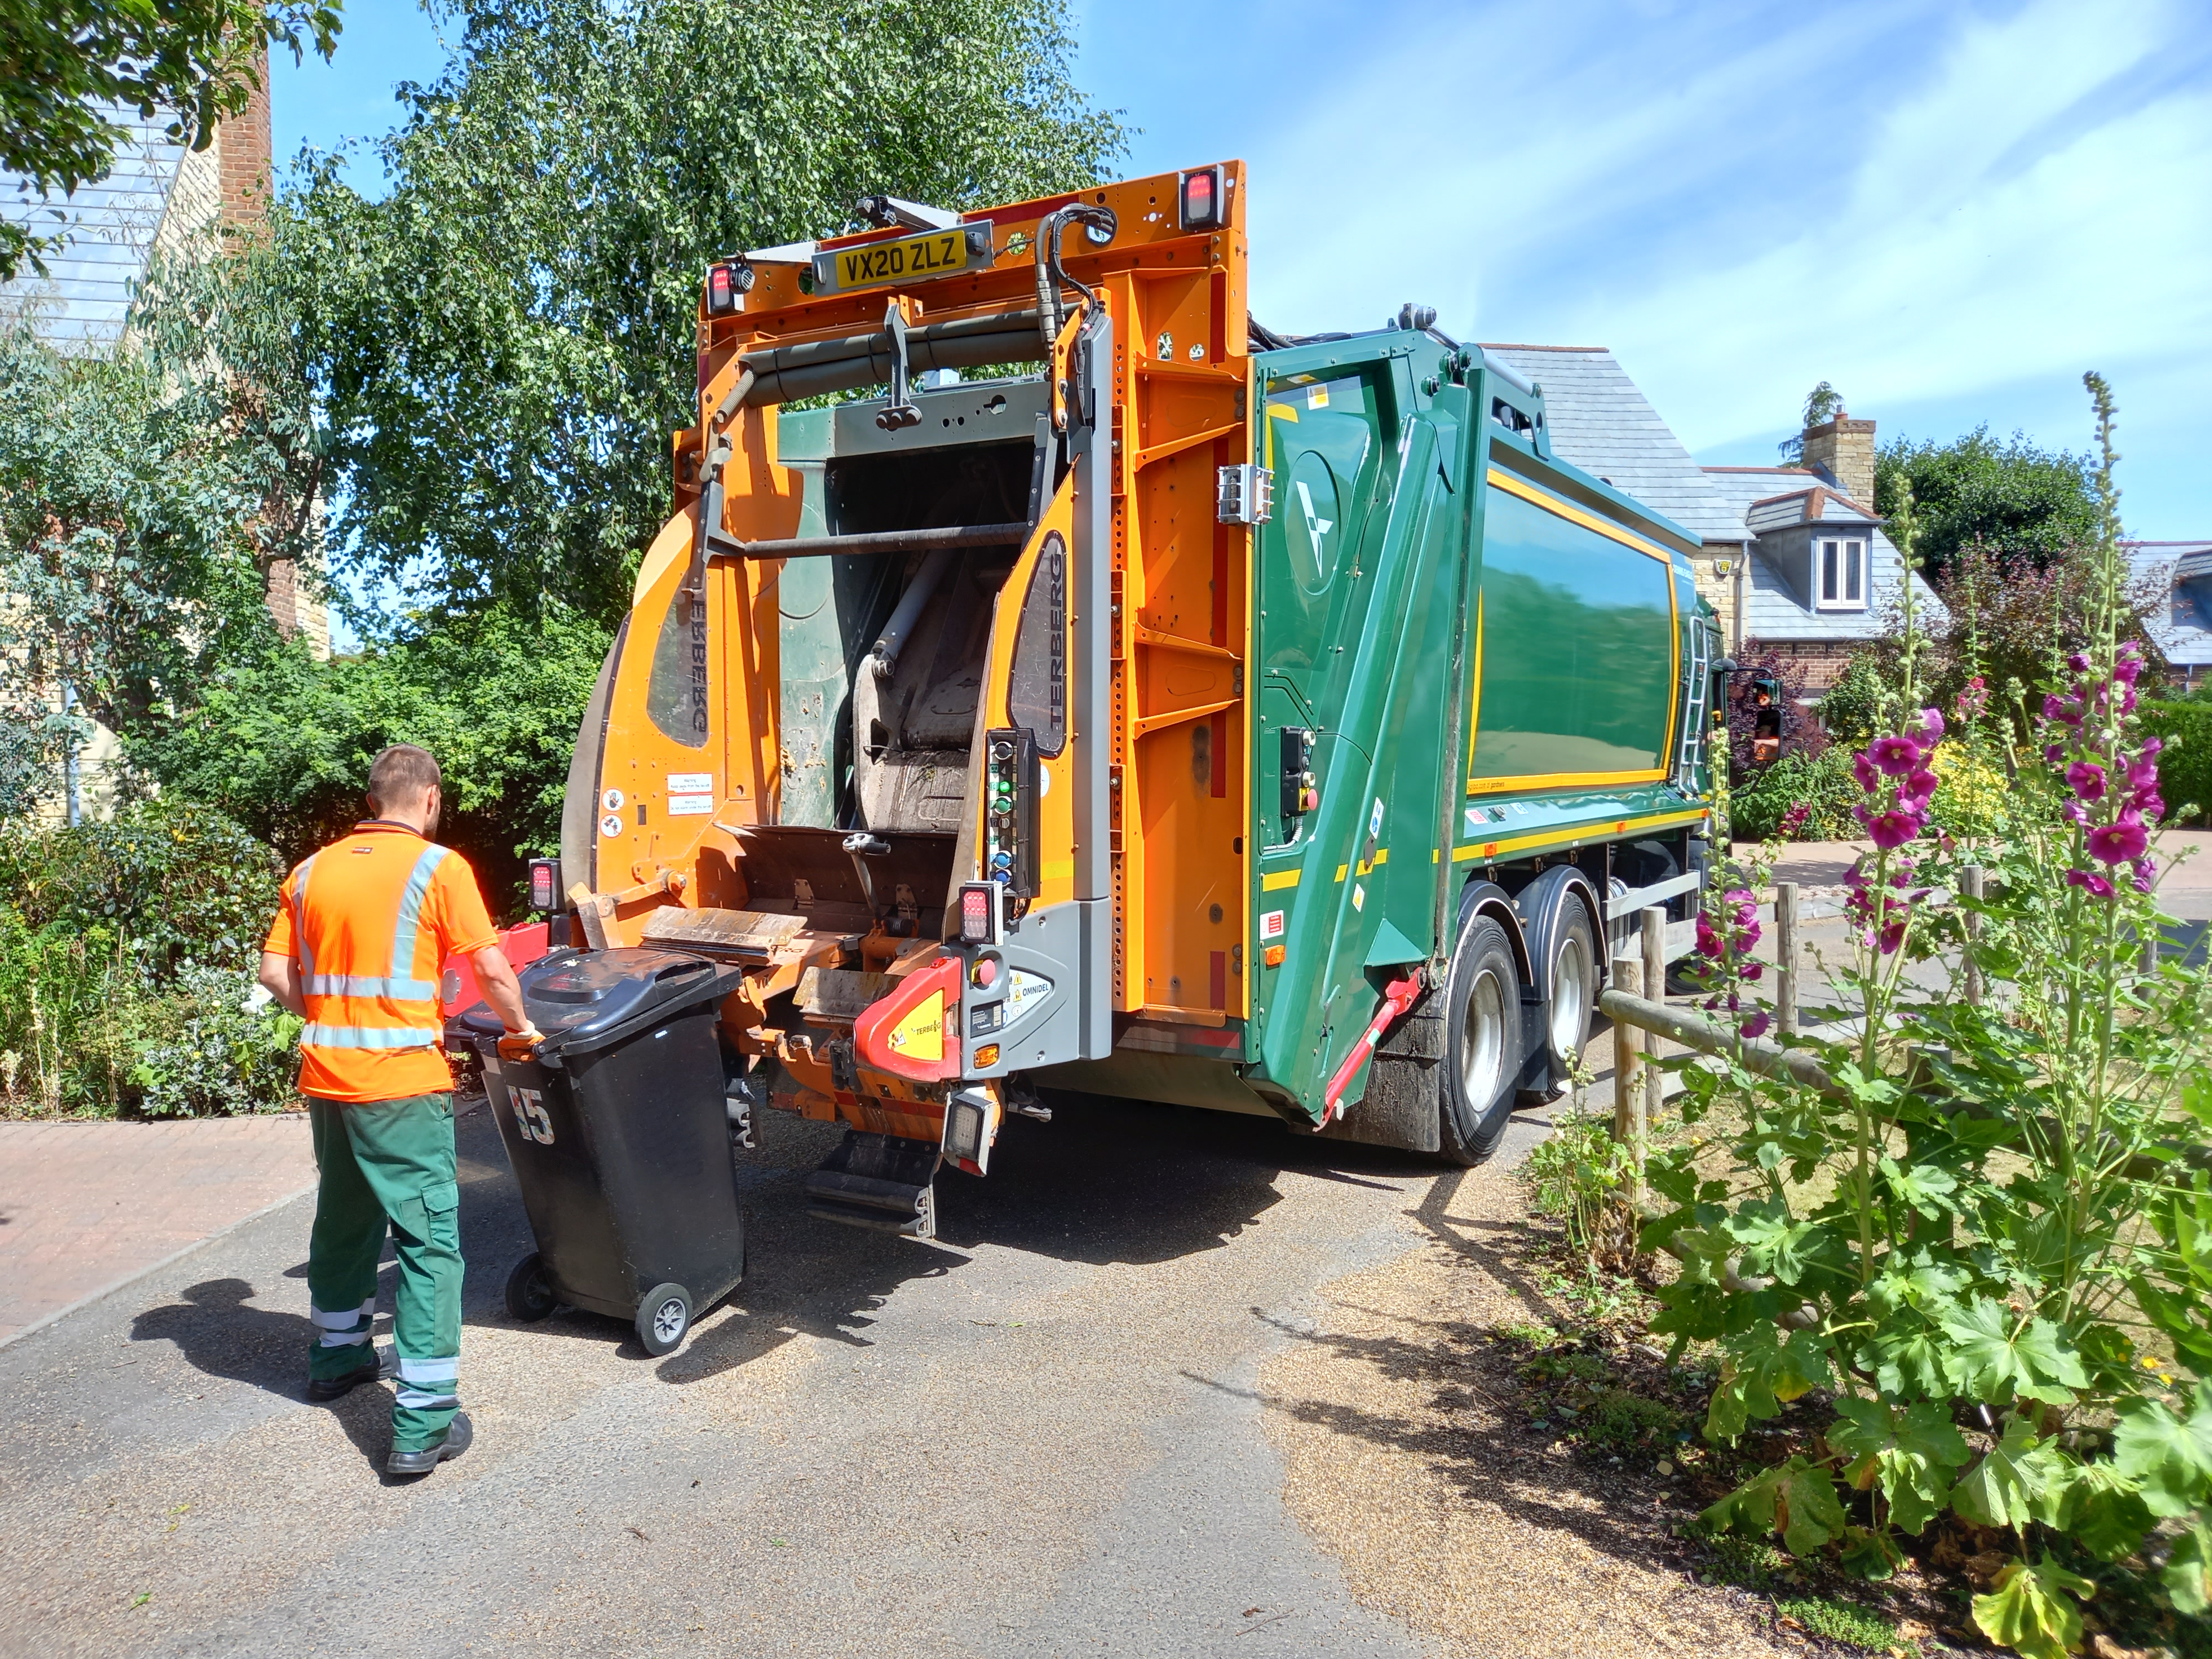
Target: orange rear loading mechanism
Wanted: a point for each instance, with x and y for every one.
(938, 712)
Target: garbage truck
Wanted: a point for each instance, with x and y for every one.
(1111, 695)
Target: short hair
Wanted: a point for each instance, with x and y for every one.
(401, 774)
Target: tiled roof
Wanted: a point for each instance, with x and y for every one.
(86, 293)
(1776, 497)
(2184, 631)
(1601, 421)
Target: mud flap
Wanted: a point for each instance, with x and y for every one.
(879, 1181)
(1404, 1087)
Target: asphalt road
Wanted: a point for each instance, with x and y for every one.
(1033, 1436)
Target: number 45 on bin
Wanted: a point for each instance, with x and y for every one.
(530, 1113)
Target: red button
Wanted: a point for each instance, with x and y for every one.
(986, 970)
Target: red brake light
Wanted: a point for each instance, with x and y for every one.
(1201, 204)
(978, 902)
(545, 885)
(727, 285)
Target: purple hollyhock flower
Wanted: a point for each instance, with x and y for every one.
(2066, 713)
(2148, 805)
(1753, 970)
(1926, 727)
(2078, 663)
(1855, 876)
(2074, 813)
(2129, 662)
(2119, 844)
(1891, 830)
(1863, 770)
(1709, 942)
(1917, 790)
(1747, 936)
(1740, 900)
(2146, 871)
(2086, 779)
(1892, 935)
(1895, 756)
(1756, 1025)
(2127, 700)
(2055, 753)
(2095, 885)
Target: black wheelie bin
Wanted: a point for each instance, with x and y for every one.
(620, 1138)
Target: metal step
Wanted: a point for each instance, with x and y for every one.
(882, 1182)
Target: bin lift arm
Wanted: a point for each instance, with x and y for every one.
(1398, 997)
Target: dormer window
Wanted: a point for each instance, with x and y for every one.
(1842, 573)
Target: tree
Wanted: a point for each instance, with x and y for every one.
(1822, 404)
(73, 66)
(2022, 502)
(504, 341)
(145, 492)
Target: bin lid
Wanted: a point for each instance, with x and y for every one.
(586, 1000)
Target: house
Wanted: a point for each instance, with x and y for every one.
(2182, 623)
(1794, 559)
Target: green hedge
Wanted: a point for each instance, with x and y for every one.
(1758, 800)
(2185, 768)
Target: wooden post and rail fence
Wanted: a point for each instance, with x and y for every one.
(1635, 1001)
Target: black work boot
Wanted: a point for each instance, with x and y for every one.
(456, 1442)
(323, 1390)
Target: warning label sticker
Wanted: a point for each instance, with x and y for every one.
(681, 806)
(1271, 924)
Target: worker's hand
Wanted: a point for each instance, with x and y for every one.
(520, 1045)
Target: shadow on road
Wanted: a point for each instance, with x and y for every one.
(218, 1330)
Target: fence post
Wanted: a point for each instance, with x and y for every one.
(1970, 885)
(1627, 1044)
(1785, 956)
(1654, 922)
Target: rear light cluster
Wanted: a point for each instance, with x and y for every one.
(544, 885)
(980, 909)
(727, 284)
(1202, 199)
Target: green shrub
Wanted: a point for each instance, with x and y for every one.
(1839, 1621)
(213, 1046)
(1580, 1174)
(2186, 767)
(1760, 800)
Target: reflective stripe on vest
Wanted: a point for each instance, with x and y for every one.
(319, 1036)
(300, 916)
(410, 918)
(359, 985)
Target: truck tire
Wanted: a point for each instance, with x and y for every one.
(1573, 979)
(1482, 1042)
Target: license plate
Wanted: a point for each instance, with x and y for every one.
(910, 259)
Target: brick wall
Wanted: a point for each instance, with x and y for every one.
(1845, 447)
(1821, 661)
(244, 144)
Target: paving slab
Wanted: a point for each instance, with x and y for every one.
(85, 1207)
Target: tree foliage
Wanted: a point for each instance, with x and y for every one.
(506, 340)
(74, 65)
(145, 492)
(283, 743)
(2022, 503)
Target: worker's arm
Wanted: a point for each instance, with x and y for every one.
(495, 979)
(280, 977)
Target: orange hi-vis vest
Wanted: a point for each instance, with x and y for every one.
(370, 919)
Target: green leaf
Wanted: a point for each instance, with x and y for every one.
(1795, 1499)
(1759, 1372)
(1997, 1363)
(1909, 1452)
(2002, 1490)
(2028, 1610)
(2187, 1572)
(2170, 1460)
(1924, 1187)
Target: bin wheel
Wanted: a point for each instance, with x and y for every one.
(662, 1318)
(530, 1295)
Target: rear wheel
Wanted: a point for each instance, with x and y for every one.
(529, 1294)
(1482, 1042)
(1573, 979)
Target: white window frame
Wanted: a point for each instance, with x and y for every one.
(1843, 587)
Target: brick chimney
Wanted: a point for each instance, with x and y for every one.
(1845, 447)
(243, 146)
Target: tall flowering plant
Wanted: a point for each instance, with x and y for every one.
(1980, 1236)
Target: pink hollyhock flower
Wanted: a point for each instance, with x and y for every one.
(2146, 873)
(2150, 804)
(1926, 727)
(2066, 713)
(1891, 830)
(2055, 753)
(1863, 770)
(1748, 936)
(1895, 756)
(2074, 813)
(1756, 1025)
(2119, 844)
(1740, 900)
(1753, 970)
(1793, 821)
(1855, 876)
(2095, 885)
(1917, 790)
(1709, 942)
(2086, 779)
(2078, 663)
(1892, 935)
(2129, 662)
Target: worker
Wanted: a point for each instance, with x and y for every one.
(363, 929)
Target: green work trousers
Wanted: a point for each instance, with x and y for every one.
(389, 1162)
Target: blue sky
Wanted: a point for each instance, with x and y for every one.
(1949, 211)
